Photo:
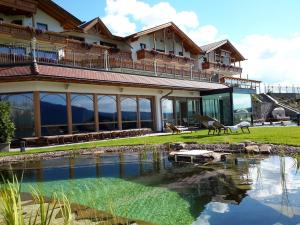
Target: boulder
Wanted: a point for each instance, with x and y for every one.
(265, 149)
(237, 147)
(252, 149)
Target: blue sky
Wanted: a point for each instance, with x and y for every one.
(265, 31)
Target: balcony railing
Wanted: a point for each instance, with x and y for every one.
(222, 67)
(118, 62)
(22, 32)
(240, 82)
(152, 54)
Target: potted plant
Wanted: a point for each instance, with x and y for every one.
(7, 127)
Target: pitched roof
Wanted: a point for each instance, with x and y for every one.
(212, 46)
(171, 25)
(95, 22)
(66, 74)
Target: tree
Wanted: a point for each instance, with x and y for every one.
(7, 127)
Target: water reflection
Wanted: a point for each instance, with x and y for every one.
(241, 190)
(121, 165)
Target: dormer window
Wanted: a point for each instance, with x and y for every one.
(143, 46)
(42, 26)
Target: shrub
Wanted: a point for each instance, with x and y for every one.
(7, 127)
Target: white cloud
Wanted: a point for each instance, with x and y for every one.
(123, 16)
(272, 59)
(218, 207)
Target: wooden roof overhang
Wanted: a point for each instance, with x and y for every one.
(100, 27)
(84, 76)
(66, 19)
(187, 41)
(18, 7)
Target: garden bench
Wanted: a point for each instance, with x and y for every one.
(49, 139)
(31, 141)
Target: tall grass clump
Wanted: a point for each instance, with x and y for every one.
(12, 210)
(11, 204)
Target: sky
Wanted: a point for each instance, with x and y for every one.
(266, 32)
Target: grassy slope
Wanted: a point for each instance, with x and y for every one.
(274, 135)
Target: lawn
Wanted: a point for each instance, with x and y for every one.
(274, 135)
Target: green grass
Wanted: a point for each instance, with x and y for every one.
(273, 135)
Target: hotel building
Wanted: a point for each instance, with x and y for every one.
(65, 76)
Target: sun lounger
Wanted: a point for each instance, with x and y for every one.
(212, 124)
(175, 129)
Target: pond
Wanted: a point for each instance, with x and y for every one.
(148, 186)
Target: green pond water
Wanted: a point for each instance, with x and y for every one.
(148, 186)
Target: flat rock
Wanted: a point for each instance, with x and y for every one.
(265, 149)
(252, 149)
(237, 146)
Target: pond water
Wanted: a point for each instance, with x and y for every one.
(147, 186)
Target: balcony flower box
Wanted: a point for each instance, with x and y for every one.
(154, 52)
(171, 55)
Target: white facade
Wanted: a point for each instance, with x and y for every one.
(40, 17)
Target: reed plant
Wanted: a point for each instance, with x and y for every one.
(12, 210)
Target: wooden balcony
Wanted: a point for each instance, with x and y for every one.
(26, 33)
(12, 7)
(116, 61)
(145, 54)
(221, 68)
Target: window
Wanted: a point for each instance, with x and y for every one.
(242, 107)
(193, 109)
(22, 113)
(129, 112)
(18, 22)
(42, 26)
(53, 113)
(219, 107)
(18, 51)
(143, 46)
(180, 53)
(107, 111)
(146, 117)
(167, 110)
(46, 56)
(82, 113)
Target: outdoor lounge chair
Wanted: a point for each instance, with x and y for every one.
(175, 129)
(243, 125)
(212, 124)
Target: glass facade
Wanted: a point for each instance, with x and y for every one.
(129, 112)
(193, 109)
(185, 111)
(218, 106)
(22, 112)
(146, 116)
(53, 113)
(82, 113)
(107, 111)
(167, 111)
(242, 107)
